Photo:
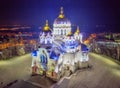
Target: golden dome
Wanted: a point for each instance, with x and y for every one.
(69, 33)
(46, 27)
(61, 15)
(77, 30)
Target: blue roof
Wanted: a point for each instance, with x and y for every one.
(34, 53)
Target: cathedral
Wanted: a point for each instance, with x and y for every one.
(61, 30)
(60, 49)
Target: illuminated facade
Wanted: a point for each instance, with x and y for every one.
(61, 31)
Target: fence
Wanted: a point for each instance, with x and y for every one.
(17, 50)
(111, 49)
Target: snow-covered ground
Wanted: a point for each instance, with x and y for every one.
(105, 73)
(16, 68)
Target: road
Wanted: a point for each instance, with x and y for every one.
(105, 73)
(17, 68)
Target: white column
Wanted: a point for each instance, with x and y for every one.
(45, 41)
(63, 31)
(57, 31)
(53, 31)
(66, 31)
(60, 32)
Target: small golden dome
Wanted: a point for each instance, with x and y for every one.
(61, 15)
(46, 27)
(77, 30)
(69, 33)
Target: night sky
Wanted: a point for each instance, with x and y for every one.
(80, 12)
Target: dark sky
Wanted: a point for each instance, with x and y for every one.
(35, 12)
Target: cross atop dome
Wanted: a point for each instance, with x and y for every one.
(61, 10)
(61, 15)
(46, 22)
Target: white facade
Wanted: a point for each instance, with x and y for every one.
(61, 30)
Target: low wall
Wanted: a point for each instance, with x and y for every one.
(108, 49)
(15, 51)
